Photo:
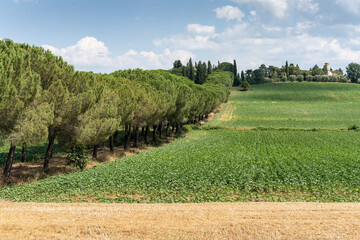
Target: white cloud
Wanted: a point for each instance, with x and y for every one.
(201, 29)
(187, 42)
(86, 52)
(151, 60)
(352, 6)
(307, 6)
(89, 54)
(229, 13)
(277, 8)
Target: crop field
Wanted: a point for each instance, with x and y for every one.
(225, 161)
(293, 105)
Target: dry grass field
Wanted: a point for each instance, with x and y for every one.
(180, 221)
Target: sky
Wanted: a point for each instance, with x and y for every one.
(108, 35)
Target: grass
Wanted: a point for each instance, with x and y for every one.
(232, 160)
(222, 165)
(293, 105)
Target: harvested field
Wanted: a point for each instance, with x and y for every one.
(180, 221)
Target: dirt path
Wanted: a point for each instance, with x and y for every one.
(180, 221)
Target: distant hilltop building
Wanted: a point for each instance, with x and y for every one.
(328, 72)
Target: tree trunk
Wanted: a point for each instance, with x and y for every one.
(177, 127)
(136, 136)
(173, 127)
(23, 153)
(116, 135)
(160, 129)
(9, 161)
(95, 151)
(111, 144)
(49, 151)
(142, 131)
(147, 134)
(127, 136)
(168, 129)
(154, 132)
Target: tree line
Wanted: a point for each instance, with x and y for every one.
(42, 97)
(289, 72)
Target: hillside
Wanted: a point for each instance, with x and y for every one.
(307, 155)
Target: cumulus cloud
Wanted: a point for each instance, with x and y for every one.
(198, 37)
(229, 13)
(91, 54)
(87, 51)
(277, 8)
(201, 29)
(151, 60)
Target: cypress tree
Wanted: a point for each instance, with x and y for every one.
(242, 76)
(287, 69)
(191, 71)
(236, 79)
(209, 68)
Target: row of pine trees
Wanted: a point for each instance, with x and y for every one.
(43, 98)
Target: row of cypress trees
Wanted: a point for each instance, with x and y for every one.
(43, 97)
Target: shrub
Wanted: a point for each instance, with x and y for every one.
(317, 78)
(309, 78)
(77, 157)
(343, 79)
(244, 86)
(292, 78)
(283, 78)
(353, 127)
(300, 78)
(325, 78)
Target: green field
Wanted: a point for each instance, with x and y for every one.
(293, 105)
(313, 160)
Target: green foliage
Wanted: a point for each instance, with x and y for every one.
(300, 78)
(221, 77)
(78, 157)
(292, 78)
(191, 75)
(297, 150)
(245, 86)
(226, 66)
(201, 73)
(220, 165)
(353, 72)
(177, 64)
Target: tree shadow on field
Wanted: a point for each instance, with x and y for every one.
(33, 153)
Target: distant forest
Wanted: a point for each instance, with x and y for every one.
(199, 71)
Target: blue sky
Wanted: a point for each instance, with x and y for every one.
(103, 36)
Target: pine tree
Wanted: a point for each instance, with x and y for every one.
(23, 116)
